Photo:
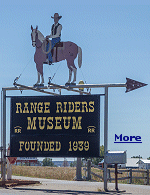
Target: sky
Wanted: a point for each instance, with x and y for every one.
(115, 42)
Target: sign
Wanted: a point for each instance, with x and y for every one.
(55, 126)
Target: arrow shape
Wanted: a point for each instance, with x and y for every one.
(132, 84)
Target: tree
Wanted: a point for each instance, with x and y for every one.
(148, 158)
(102, 151)
(136, 156)
(97, 160)
(48, 162)
(73, 164)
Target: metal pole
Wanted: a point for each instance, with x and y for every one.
(79, 166)
(4, 135)
(105, 136)
(85, 86)
(78, 170)
(89, 169)
(116, 178)
(1, 131)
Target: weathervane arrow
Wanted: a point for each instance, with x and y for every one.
(132, 84)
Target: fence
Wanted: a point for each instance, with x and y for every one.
(131, 174)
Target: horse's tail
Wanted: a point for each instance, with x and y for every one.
(79, 57)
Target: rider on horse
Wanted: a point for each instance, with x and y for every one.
(55, 35)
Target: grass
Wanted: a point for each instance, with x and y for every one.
(61, 173)
(69, 173)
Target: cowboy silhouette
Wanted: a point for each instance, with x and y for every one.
(55, 35)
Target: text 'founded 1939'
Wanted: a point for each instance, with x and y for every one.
(55, 126)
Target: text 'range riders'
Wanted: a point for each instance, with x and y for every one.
(64, 126)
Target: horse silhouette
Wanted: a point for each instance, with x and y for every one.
(64, 50)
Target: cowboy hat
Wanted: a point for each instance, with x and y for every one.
(56, 15)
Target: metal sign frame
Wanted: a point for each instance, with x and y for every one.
(130, 85)
(55, 126)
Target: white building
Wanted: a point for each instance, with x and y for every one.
(131, 164)
(143, 164)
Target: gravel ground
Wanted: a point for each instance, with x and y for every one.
(54, 187)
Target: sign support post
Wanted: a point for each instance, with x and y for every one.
(79, 163)
(4, 135)
(78, 169)
(105, 136)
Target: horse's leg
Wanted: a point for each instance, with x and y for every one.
(73, 68)
(38, 81)
(75, 73)
(70, 75)
(39, 67)
(42, 77)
